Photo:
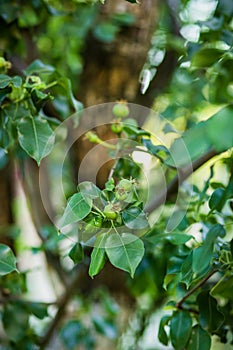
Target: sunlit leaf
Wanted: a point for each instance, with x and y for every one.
(7, 260)
(78, 207)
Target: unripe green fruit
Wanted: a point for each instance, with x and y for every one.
(117, 128)
(121, 196)
(109, 212)
(120, 110)
(92, 137)
(125, 185)
(98, 222)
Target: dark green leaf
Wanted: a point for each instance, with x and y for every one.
(135, 218)
(217, 199)
(180, 329)
(72, 334)
(162, 335)
(98, 256)
(104, 327)
(206, 57)
(155, 149)
(200, 339)
(35, 137)
(66, 85)
(125, 251)
(40, 310)
(3, 158)
(78, 207)
(7, 260)
(211, 318)
(39, 98)
(76, 253)
(15, 321)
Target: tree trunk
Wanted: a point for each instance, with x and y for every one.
(111, 72)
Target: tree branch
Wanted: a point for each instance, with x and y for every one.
(62, 304)
(179, 304)
(182, 175)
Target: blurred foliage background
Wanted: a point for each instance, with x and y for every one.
(175, 57)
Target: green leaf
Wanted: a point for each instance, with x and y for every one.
(186, 270)
(134, 218)
(39, 67)
(66, 85)
(98, 256)
(155, 149)
(214, 133)
(15, 319)
(3, 158)
(178, 238)
(206, 57)
(7, 260)
(72, 334)
(40, 310)
(16, 81)
(217, 199)
(219, 129)
(106, 32)
(123, 18)
(200, 339)
(35, 137)
(78, 207)
(211, 318)
(180, 329)
(202, 255)
(224, 287)
(125, 251)
(104, 327)
(88, 189)
(162, 335)
(5, 80)
(76, 253)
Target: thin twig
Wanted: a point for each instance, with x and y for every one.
(179, 304)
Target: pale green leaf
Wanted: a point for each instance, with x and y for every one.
(134, 218)
(35, 137)
(7, 260)
(78, 207)
(125, 251)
